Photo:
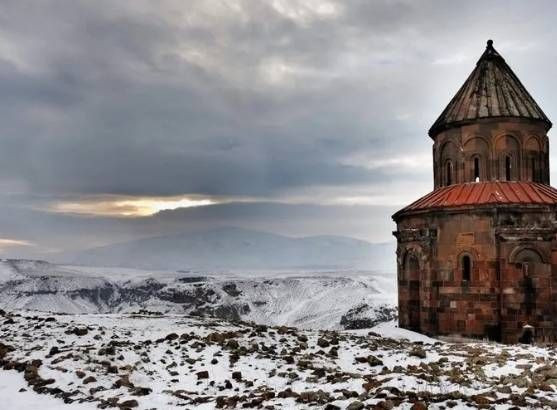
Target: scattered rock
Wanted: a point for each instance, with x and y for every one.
(171, 336)
(355, 405)
(78, 331)
(419, 405)
(129, 404)
(202, 375)
(141, 391)
(418, 351)
(54, 350)
(89, 379)
(322, 343)
(319, 397)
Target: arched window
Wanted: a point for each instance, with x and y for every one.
(508, 165)
(449, 173)
(527, 255)
(528, 260)
(466, 266)
(412, 268)
(476, 169)
(534, 170)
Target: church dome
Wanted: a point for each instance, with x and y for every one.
(492, 90)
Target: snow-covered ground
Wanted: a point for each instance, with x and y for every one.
(175, 361)
(15, 394)
(308, 299)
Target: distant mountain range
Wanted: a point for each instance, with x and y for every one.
(236, 248)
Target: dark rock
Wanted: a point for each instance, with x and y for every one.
(221, 402)
(78, 331)
(418, 351)
(231, 289)
(129, 403)
(95, 390)
(171, 336)
(322, 343)
(89, 379)
(141, 391)
(318, 396)
(385, 405)
(287, 393)
(204, 374)
(5, 349)
(371, 360)
(54, 350)
(319, 372)
(233, 358)
(365, 316)
(355, 405)
(123, 381)
(289, 359)
(232, 344)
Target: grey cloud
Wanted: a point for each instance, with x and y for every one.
(172, 97)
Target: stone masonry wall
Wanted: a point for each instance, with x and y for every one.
(502, 295)
(490, 141)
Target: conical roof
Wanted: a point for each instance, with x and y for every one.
(492, 90)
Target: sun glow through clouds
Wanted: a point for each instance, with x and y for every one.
(129, 206)
(10, 243)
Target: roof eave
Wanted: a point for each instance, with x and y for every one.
(437, 129)
(468, 207)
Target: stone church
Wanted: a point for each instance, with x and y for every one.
(477, 256)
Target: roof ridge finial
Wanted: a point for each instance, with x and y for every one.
(489, 43)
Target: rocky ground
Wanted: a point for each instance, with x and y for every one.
(153, 361)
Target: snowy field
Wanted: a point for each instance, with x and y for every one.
(174, 361)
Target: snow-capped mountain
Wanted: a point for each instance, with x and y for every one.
(309, 299)
(236, 248)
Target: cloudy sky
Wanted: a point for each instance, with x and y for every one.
(126, 119)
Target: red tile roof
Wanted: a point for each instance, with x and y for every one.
(491, 90)
(486, 193)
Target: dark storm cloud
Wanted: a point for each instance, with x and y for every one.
(254, 98)
(102, 99)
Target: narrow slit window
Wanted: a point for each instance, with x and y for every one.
(534, 171)
(449, 173)
(466, 267)
(476, 169)
(507, 168)
(525, 269)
